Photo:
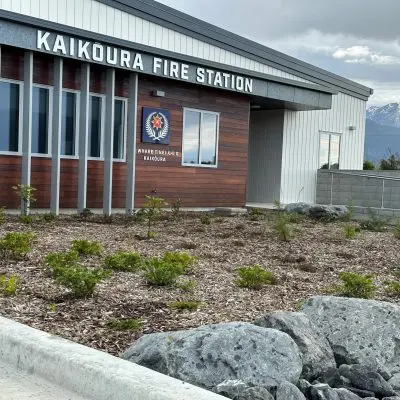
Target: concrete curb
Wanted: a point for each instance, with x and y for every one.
(88, 372)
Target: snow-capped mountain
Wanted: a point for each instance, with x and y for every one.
(382, 134)
(386, 115)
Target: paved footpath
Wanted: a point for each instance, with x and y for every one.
(19, 385)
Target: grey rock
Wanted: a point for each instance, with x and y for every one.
(345, 394)
(377, 366)
(328, 212)
(288, 391)
(364, 377)
(230, 388)
(208, 355)
(391, 398)
(255, 393)
(394, 382)
(323, 392)
(357, 329)
(304, 386)
(316, 354)
(360, 392)
(298, 208)
(330, 376)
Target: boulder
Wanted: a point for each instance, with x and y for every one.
(345, 394)
(288, 391)
(230, 388)
(210, 354)
(394, 382)
(357, 329)
(331, 377)
(316, 353)
(318, 211)
(323, 391)
(365, 378)
(298, 208)
(255, 393)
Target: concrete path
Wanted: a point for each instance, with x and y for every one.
(19, 385)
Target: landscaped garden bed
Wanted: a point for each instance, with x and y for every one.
(125, 305)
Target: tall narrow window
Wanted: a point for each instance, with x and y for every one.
(68, 124)
(40, 120)
(119, 130)
(200, 138)
(9, 117)
(329, 151)
(95, 126)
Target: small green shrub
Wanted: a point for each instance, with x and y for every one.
(26, 194)
(49, 217)
(368, 165)
(254, 277)
(59, 261)
(123, 261)
(357, 286)
(159, 272)
(374, 223)
(185, 305)
(53, 307)
(187, 286)
(16, 245)
(80, 280)
(2, 215)
(151, 211)
(206, 219)
(125, 324)
(86, 213)
(393, 288)
(282, 226)
(26, 219)
(8, 286)
(255, 214)
(350, 231)
(86, 247)
(176, 209)
(182, 261)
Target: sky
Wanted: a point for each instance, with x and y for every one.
(358, 39)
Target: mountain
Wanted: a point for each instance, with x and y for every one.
(382, 133)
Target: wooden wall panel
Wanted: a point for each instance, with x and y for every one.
(10, 175)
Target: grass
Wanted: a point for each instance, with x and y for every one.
(282, 226)
(254, 277)
(125, 324)
(86, 247)
(350, 232)
(124, 261)
(15, 245)
(393, 288)
(185, 305)
(8, 286)
(356, 285)
(158, 272)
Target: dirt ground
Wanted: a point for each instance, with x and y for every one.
(307, 265)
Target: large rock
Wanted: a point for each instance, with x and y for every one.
(287, 391)
(358, 329)
(211, 354)
(318, 211)
(230, 388)
(345, 394)
(316, 353)
(322, 391)
(255, 393)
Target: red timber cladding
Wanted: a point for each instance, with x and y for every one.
(196, 187)
(10, 175)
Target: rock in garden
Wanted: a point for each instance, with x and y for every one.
(288, 391)
(210, 354)
(327, 212)
(255, 393)
(304, 386)
(323, 391)
(331, 377)
(230, 388)
(394, 382)
(316, 354)
(378, 367)
(298, 208)
(357, 329)
(345, 394)
(360, 392)
(363, 377)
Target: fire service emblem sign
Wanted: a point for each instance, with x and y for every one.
(156, 126)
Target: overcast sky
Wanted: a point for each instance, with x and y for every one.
(358, 39)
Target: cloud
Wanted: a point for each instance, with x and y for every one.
(364, 55)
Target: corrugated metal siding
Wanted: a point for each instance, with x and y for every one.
(265, 150)
(97, 17)
(300, 158)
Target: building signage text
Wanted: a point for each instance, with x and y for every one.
(157, 155)
(140, 62)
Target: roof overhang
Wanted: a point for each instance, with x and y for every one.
(60, 40)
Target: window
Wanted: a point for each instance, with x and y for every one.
(200, 138)
(119, 129)
(9, 117)
(69, 122)
(95, 126)
(40, 120)
(329, 153)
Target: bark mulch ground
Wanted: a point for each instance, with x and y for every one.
(307, 265)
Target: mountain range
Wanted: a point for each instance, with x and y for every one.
(382, 132)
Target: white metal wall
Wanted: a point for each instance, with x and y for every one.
(265, 156)
(97, 17)
(300, 156)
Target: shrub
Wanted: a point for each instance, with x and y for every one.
(355, 285)
(205, 219)
(86, 213)
(86, 247)
(187, 286)
(282, 226)
(26, 219)
(185, 305)
(80, 280)
(49, 217)
(123, 261)
(368, 165)
(2, 215)
(176, 208)
(26, 195)
(255, 214)
(16, 245)
(350, 231)
(151, 211)
(8, 285)
(159, 272)
(182, 261)
(393, 287)
(254, 277)
(391, 162)
(374, 223)
(59, 261)
(125, 324)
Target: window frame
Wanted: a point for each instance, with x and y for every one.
(202, 112)
(338, 134)
(20, 118)
(103, 110)
(125, 127)
(77, 119)
(50, 125)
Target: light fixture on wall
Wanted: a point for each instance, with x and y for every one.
(158, 93)
(352, 128)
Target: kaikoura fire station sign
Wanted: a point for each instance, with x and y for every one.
(140, 62)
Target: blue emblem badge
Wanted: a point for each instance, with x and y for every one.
(156, 126)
